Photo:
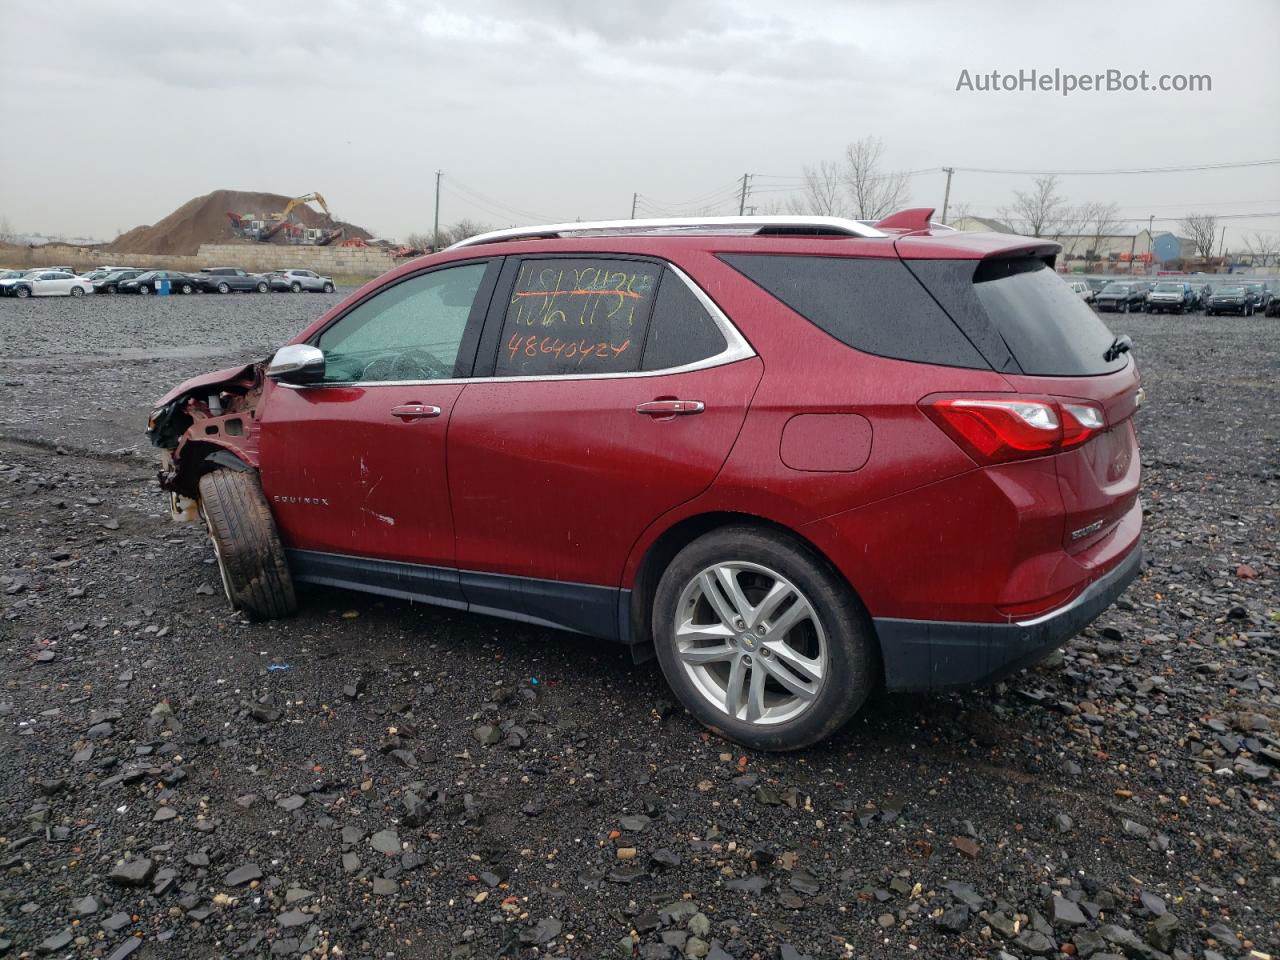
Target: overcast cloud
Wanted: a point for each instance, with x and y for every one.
(116, 113)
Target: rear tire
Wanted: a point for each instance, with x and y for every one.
(295, 287)
(186, 288)
(251, 558)
(814, 651)
(144, 289)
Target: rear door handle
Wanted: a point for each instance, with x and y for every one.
(671, 408)
(415, 411)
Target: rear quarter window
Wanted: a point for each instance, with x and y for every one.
(873, 305)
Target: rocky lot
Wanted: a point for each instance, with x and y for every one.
(377, 779)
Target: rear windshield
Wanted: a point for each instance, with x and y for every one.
(1049, 330)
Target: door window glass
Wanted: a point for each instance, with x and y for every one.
(577, 316)
(410, 331)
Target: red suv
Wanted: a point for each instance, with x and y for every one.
(793, 457)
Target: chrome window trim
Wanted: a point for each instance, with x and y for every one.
(736, 348)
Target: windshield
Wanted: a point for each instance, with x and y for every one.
(1115, 288)
(1168, 288)
(147, 276)
(1231, 291)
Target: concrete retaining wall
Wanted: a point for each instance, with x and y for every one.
(254, 257)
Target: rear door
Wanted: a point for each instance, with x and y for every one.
(614, 391)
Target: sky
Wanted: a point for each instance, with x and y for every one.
(563, 109)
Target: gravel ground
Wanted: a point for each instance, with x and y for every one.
(377, 779)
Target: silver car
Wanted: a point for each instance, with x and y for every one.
(299, 280)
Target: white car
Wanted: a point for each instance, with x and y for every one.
(47, 283)
(1082, 290)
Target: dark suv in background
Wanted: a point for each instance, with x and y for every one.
(1120, 298)
(230, 279)
(1170, 297)
(793, 457)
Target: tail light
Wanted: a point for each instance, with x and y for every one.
(999, 428)
(1080, 421)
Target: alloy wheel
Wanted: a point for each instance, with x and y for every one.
(751, 642)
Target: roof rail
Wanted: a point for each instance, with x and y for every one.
(771, 225)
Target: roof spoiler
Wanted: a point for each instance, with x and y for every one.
(914, 220)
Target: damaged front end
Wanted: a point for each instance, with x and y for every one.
(206, 423)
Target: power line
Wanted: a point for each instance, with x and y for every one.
(1216, 216)
(1119, 171)
(492, 202)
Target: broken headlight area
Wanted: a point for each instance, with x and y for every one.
(208, 422)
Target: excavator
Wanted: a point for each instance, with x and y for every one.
(282, 219)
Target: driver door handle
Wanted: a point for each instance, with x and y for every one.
(671, 408)
(415, 411)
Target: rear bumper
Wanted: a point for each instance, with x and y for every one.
(937, 654)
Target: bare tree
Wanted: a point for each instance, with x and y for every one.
(822, 193)
(873, 193)
(1264, 247)
(957, 212)
(7, 234)
(1202, 228)
(1098, 221)
(1039, 212)
(447, 235)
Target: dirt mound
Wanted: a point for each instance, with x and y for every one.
(204, 220)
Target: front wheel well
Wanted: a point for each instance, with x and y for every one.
(663, 550)
(199, 458)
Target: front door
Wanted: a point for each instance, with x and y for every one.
(615, 397)
(354, 466)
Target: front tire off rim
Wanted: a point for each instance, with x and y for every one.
(750, 642)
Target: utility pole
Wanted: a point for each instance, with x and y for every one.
(435, 230)
(1222, 244)
(1151, 245)
(634, 198)
(742, 196)
(946, 196)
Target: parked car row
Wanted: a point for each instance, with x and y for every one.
(60, 281)
(1244, 297)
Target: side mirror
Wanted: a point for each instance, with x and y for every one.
(297, 363)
